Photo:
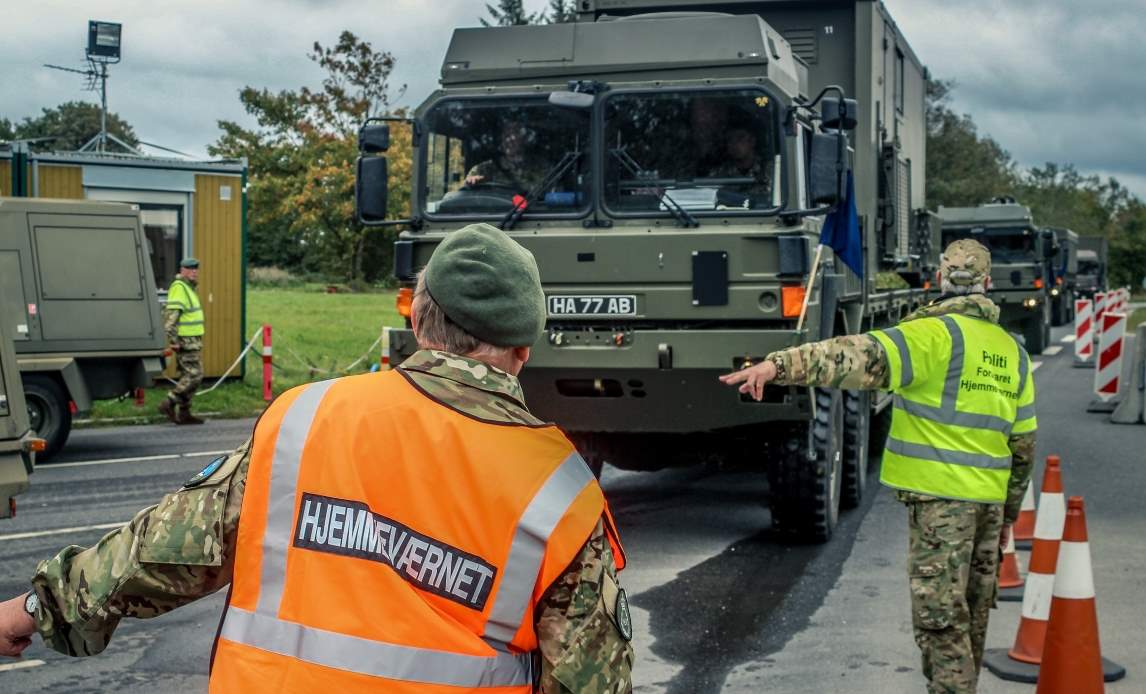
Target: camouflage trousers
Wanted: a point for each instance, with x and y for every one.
(189, 370)
(953, 568)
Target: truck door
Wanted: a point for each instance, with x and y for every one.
(19, 315)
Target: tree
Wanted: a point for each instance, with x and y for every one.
(963, 167)
(509, 13)
(561, 11)
(7, 130)
(1128, 246)
(301, 157)
(69, 126)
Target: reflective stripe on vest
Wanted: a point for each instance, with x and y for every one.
(942, 450)
(181, 296)
(265, 630)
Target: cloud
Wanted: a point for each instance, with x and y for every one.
(1055, 80)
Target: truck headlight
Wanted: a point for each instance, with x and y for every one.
(1030, 303)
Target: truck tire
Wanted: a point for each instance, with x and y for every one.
(1036, 335)
(48, 412)
(804, 494)
(857, 432)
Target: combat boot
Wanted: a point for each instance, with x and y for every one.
(167, 408)
(185, 416)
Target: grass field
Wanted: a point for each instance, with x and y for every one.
(315, 335)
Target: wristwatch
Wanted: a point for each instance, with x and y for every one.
(31, 604)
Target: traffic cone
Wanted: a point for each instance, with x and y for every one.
(1010, 578)
(1020, 663)
(1024, 530)
(1072, 660)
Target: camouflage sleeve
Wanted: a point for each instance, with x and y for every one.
(167, 556)
(485, 170)
(171, 325)
(582, 649)
(854, 362)
(1022, 465)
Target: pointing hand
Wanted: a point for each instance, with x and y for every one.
(752, 379)
(16, 627)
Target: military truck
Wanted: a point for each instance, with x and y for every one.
(1021, 255)
(1064, 271)
(78, 297)
(18, 444)
(1092, 259)
(671, 173)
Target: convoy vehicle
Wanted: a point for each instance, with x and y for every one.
(1064, 270)
(1020, 263)
(1092, 263)
(18, 444)
(670, 171)
(78, 296)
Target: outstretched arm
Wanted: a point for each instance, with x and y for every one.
(853, 362)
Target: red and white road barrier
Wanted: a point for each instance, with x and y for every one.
(384, 362)
(1100, 302)
(1083, 331)
(267, 394)
(1072, 658)
(1108, 366)
(1024, 530)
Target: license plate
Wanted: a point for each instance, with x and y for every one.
(594, 305)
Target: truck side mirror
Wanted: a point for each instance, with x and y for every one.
(826, 170)
(1050, 245)
(374, 139)
(371, 189)
(839, 115)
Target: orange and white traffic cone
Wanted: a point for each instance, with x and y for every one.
(1010, 577)
(1020, 663)
(1072, 659)
(1024, 530)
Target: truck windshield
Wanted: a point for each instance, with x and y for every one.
(482, 153)
(706, 150)
(1011, 244)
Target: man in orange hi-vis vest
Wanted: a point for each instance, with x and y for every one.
(414, 530)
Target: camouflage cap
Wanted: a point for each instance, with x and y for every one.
(189, 263)
(965, 262)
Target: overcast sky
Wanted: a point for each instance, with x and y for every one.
(1056, 80)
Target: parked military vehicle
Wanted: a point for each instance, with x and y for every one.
(1064, 271)
(1092, 263)
(78, 297)
(1021, 255)
(18, 444)
(670, 172)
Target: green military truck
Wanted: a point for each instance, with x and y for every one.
(1021, 255)
(670, 171)
(1064, 270)
(1092, 258)
(77, 295)
(18, 444)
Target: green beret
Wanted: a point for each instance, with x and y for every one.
(189, 263)
(489, 285)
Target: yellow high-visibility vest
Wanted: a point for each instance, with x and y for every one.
(962, 386)
(182, 296)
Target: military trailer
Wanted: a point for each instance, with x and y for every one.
(1021, 255)
(18, 444)
(78, 296)
(1064, 270)
(1092, 259)
(670, 171)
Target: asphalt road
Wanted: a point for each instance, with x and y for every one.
(718, 603)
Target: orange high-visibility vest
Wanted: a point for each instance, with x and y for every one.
(390, 543)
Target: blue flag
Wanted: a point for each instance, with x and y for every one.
(841, 230)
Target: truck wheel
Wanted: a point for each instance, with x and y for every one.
(1035, 334)
(48, 412)
(804, 493)
(857, 430)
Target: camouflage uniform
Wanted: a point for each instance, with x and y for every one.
(953, 549)
(188, 358)
(182, 549)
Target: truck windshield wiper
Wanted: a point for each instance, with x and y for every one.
(551, 178)
(683, 217)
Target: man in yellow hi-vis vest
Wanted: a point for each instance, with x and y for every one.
(183, 323)
(960, 450)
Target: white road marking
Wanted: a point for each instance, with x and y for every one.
(1068, 338)
(21, 665)
(61, 531)
(1051, 351)
(138, 459)
(1035, 365)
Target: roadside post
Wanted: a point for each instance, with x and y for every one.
(1083, 332)
(1108, 365)
(267, 394)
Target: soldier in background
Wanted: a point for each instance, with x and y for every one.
(433, 451)
(959, 454)
(183, 324)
